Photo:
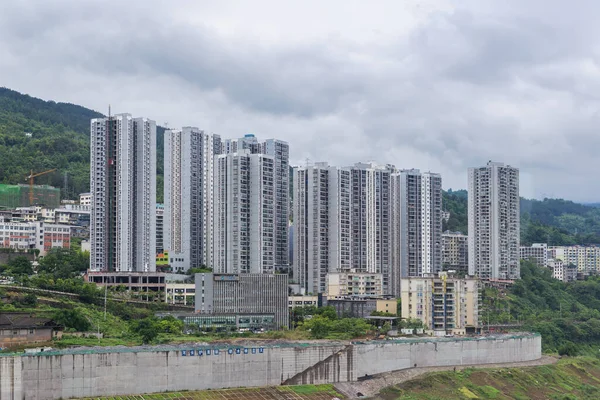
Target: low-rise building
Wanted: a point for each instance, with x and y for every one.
(354, 307)
(562, 272)
(443, 303)
(356, 284)
(302, 301)
(85, 199)
(146, 285)
(36, 235)
(243, 294)
(22, 328)
(73, 214)
(180, 293)
(231, 321)
(388, 306)
(537, 252)
(585, 258)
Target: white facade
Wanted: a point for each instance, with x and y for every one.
(34, 235)
(85, 199)
(494, 221)
(244, 213)
(370, 220)
(417, 225)
(123, 190)
(180, 293)
(321, 211)
(538, 252)
(188, 196)
(279, 150)
(341, 222)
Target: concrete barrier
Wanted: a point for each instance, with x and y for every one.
(122, 371)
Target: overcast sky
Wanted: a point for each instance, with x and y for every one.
(436, 85)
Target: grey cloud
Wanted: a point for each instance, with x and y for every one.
(509, 81)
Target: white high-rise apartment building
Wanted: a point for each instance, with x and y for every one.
(244, 213)
(341, 222)
(494, 221)
(321, 213)
(123, 189)
(279, 150)
(370, 219)
(416, 220)
(188, 196)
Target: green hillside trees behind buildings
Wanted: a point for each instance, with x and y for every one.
(566, 314)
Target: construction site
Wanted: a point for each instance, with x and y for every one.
(13, 196)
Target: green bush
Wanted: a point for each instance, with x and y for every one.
(568, 349)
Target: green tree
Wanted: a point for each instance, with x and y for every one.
(72, 319)
(64, 263)
(327, 312)
(170, 324)
(19, 265)
(147, 328)
(29, 300)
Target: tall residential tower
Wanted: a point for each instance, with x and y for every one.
(416, 225)
(321, 213)
(188, 194)
(123, 190)
(279, 151)
(244, 213)
(341, 222)
(494, 221)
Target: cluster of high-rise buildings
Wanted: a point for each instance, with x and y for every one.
(228, 206)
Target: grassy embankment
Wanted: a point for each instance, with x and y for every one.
(575, 378)
(302, 392)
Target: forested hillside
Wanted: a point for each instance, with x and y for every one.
(553, 221)
(566, 314)
(59, 139)
(456, 203)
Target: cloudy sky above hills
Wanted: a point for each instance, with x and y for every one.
(435, 84)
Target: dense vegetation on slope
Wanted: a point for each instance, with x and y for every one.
(554, 221)
(456, 203)
(559, 222)
(569, 379)
(59, 139)
(566, 314)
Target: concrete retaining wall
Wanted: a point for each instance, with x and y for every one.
(53, 376)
